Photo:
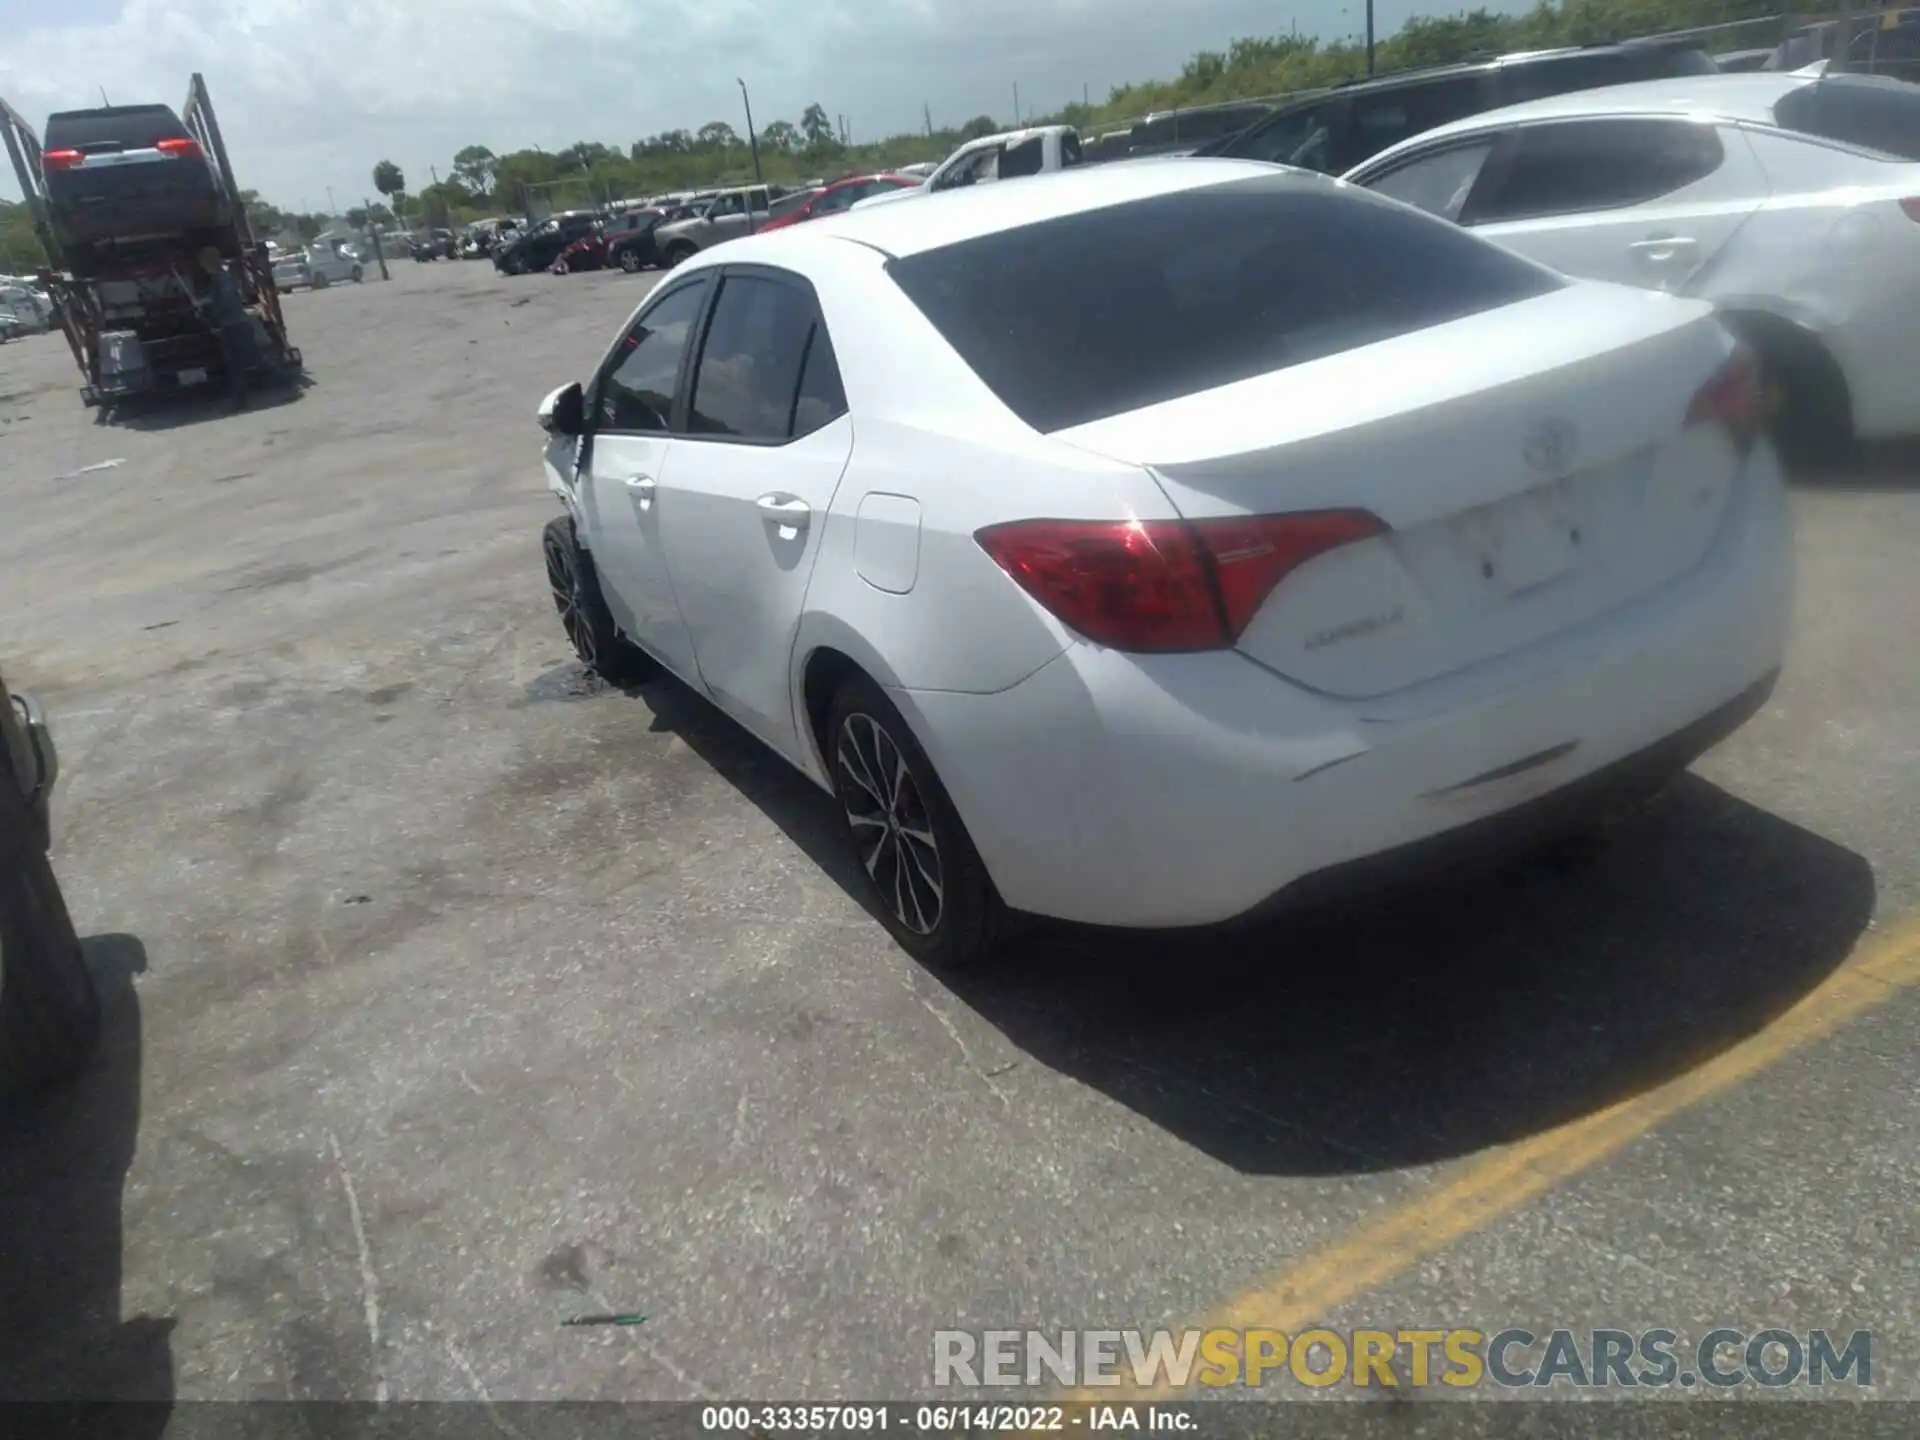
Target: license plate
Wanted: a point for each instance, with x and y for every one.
(1520, 543)
(193, 377)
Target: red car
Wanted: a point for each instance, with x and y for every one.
(589, 252)
(839, 196)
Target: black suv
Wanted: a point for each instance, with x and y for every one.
(539, 247)
(128, 172)
(1334, 130)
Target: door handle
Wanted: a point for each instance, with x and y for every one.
(641, 488)
(785, 510)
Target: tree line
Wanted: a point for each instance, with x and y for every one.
(479, 181)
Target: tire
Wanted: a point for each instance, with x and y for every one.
(321, 282)
(1809, 410)
(584, 616)
(560, 266)
(677, 254)
(630, 261)
(516, 265)
(925, 878)
(358, 275)
(49, 1010)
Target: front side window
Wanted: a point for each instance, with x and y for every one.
(1593, 165)
(724, 206)
(1299, 137)
(1437, 183)
(750, 366)
(1222, 283)
(982, 165)
(636, 393)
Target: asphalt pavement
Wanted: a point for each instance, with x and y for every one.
(452, 994)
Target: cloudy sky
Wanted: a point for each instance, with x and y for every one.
(311, 93)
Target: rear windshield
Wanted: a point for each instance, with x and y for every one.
(1875, 112)
(132, 127)
(1075, 319)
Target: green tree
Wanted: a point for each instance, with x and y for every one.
(716, 135)
(815, 125)
(390, 182)
(780, 136)
(473, 168)
(978, 126)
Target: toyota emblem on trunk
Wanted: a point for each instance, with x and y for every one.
(1550, 448)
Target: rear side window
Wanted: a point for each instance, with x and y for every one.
(1592, 165)
(129, 127)
(1027, 157)
(1875, 112)
(1086, 316)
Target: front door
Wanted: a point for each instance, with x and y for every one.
(746, 497)
(628, 452)
(1645, 202)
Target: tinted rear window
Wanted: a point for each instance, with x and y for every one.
(133, 127)
(1096, 314)
(1872, 111)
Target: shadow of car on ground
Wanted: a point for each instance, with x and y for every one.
(1417, 1026)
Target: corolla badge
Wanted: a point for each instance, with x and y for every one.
(1551, 447)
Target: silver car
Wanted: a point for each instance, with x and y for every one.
(729, 214)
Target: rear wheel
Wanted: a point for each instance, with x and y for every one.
(49, 1011)
(320, 281)
(630, 262)
(677, 254)
(927, 881)
(1809, 410)
(584, 616)
(358, 276)
(560, 265)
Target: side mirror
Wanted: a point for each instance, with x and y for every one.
(564, 411)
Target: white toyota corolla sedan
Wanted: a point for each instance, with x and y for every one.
(1142, 545)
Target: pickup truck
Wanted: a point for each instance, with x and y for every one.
(1008, 156)
(49, 1011)
(729, 214)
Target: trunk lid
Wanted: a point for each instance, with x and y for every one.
(1534, 465)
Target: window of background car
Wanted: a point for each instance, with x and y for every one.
(726, 205)
(1437, 182)
(750, 365)
(982, 165)
(1069, 149)
(1875, 112)
(1390, 116)
(134, 126)
(636, 393)
(1025, 157)
(1300, 137)
(1091, 315)
(1578, 165)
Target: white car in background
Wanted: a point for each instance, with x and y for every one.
(1792, 202)
(1017, 154)
(318, 266)
(1348, 539)
(30, 309)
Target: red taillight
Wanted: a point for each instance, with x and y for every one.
(1165, 585)
(1731, 397)
(60, 159)
(185, 149)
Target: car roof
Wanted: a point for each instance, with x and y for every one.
(1749, 95)
(951, 216)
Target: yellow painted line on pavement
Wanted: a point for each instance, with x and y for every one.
(1501, 1182)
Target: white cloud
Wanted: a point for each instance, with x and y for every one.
(310, 93)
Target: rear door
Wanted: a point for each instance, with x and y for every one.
(626, 455)
(1640, 201)
(744, 502)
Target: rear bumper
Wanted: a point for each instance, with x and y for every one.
(1177, 790)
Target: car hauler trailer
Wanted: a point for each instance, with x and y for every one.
(126, 201)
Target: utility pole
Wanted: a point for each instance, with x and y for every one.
(1085, 102)
(373, 227)
(1370, 36)
(927, 110)
(333, 210)
(1843, 45)
(1016, 104)
(753, 140)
